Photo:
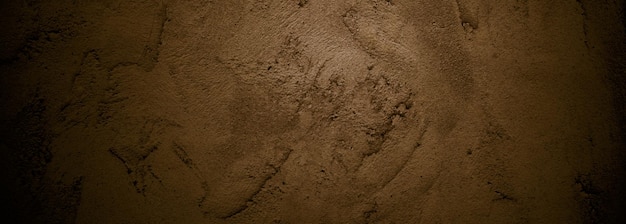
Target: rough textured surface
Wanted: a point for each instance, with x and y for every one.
(313, 111)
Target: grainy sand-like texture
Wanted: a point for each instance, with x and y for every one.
(313, 111)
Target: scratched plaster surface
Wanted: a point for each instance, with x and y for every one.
(313, 111)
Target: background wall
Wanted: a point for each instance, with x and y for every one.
(313, 111)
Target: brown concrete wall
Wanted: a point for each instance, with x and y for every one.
(313, 111)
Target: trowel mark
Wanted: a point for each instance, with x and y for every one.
(151, 52)
(467, 17)
(246, 178)
(135, 154)
(136, 167)
(382, 168)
